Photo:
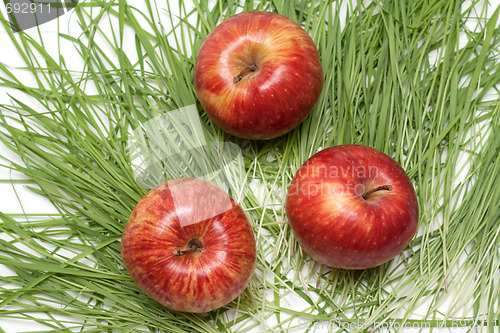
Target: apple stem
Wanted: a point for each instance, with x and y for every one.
(244, 72)
(194, 245)
(179, 253)
(380, 188)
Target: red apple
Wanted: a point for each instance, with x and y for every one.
(258, 75)
(352, 207)
(189, 246)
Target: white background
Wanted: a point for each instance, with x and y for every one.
(14, 198)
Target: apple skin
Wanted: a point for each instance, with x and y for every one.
(278, 95)
(165, 220)
(332, 221)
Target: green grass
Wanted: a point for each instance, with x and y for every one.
(395, 78)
